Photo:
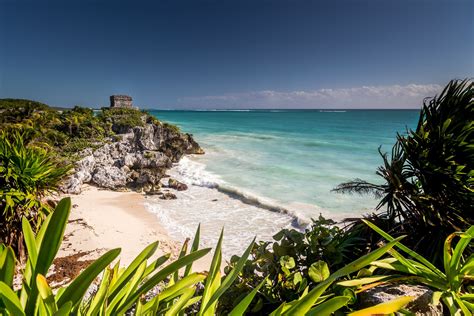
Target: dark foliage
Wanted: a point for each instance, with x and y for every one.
(428, 191)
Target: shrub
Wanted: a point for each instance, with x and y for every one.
(27, 174)
(122, 119)
(294, 261)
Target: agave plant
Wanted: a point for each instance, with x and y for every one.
(27, 174)
(452, 284)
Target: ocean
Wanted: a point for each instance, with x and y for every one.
(268, 169)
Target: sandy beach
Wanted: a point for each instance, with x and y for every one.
(101, 220)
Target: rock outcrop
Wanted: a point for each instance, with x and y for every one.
(422, 303)
(136, 159)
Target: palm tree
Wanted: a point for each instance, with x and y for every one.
(428, 187)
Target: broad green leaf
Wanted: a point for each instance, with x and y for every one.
(384, 308)
(318, 271)
(182, 253)
(76, 290)
(46, 294)
(7, 266)
(245, 302)
(329, 307)
(156, 264)
(65, 310)
(11, 301)
(52, 237)
(459, 249)
(287, 262)
(30, 241)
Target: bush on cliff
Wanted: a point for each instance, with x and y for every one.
(69, 131)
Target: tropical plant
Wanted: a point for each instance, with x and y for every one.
(428, 179)
(452, 283)
(27, 175)
(294, 261)
(124, 290)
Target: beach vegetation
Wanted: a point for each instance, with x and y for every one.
(428, 187)
(122, 290)
(27, 175)
(294, 261)
(452, 283)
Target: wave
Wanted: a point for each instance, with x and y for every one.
(333, 111)
(195, 173)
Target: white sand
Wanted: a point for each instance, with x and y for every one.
(101, 220)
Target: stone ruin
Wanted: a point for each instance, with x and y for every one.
(120, 101)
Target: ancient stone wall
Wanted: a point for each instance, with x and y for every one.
(120, 101)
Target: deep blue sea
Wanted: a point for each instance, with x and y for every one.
(294, 156)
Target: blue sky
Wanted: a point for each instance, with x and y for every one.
(235, 54)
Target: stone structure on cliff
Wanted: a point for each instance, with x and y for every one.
(120, 101)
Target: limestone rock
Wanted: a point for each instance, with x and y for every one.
(109, 177)
(136, 158)
(421, 305)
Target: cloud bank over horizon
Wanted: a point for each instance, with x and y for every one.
(408, 96)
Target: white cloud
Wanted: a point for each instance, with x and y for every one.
(394, 96)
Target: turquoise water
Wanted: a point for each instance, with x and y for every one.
(292, 158)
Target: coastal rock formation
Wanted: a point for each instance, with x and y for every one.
(421, 305)
(137, 159)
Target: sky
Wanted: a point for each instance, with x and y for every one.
(235, 54)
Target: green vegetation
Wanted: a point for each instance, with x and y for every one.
(121, 290)
(68, 132)
(429, 188)
(426, 201)
(27, 175)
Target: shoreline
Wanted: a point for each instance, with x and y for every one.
(101, 220)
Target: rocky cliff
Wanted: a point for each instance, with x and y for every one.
(137, 158)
